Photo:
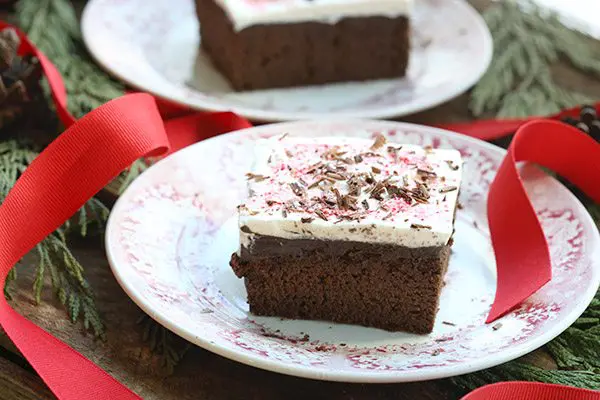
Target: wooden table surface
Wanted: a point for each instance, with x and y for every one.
(201, 375)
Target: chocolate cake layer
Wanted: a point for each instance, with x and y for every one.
(294, 54)
(365, 288)
(350, 251)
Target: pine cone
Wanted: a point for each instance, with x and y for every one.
(20, 90)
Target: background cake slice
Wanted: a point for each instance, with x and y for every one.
(348, 230)
(259, 44)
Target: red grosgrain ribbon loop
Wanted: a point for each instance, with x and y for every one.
(530, 391)
(60, 180)
(522, 257)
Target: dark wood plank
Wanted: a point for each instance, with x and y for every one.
(16, 383)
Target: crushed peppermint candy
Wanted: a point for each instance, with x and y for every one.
(350, 181)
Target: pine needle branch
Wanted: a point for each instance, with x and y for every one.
(519, 82)
(131, 174)
(168, 346)
(68, 283)
(53, 27)
(55, 259)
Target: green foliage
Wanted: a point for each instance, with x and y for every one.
(55, 259)
(170, 347)
(131, 174)
(53, 27)
(576, 352)
(519, 82)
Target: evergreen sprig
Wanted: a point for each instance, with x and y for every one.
(168, 346)
(55, 259)
(576, 352)
(519, 81)
(53, 27)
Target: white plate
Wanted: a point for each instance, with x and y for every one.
(171, 234)
(153, 45)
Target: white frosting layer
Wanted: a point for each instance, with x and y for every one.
(245, 13)
(277, 207)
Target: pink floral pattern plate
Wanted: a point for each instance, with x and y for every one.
(153, 45)
(171, 234)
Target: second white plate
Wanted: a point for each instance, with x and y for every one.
(153, 46)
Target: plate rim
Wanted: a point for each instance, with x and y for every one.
(357, 376)
(256, 114)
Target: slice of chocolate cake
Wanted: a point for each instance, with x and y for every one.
(348, 230)
(260, 44)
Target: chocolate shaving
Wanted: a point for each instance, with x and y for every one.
(395, 191)
(422, 189)
(420, 193)
(338, 198)
(283, 136)
(448, 189)
(316, 183)
(256, 177)
(405, 180)
(365, 204)
(497, 326)
(298, 191)
(375, 170)
(332, 153)
(314, 167)
(288, 153)
(355, 184)
(321, 214)
(428, 149)
(389, 215)
(284, 212)
(306, 220)
(419, 226)
(302, 182)
(426, 172)
(452, 166)
(328, 200)
(358, 158)
(371, 154)
(377, 190)
(349, 202)
(271, 202)
(335, 175)
(380, 141)
(448, 323)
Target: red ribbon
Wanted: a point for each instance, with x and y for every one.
(96, 148)
(530, 391)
